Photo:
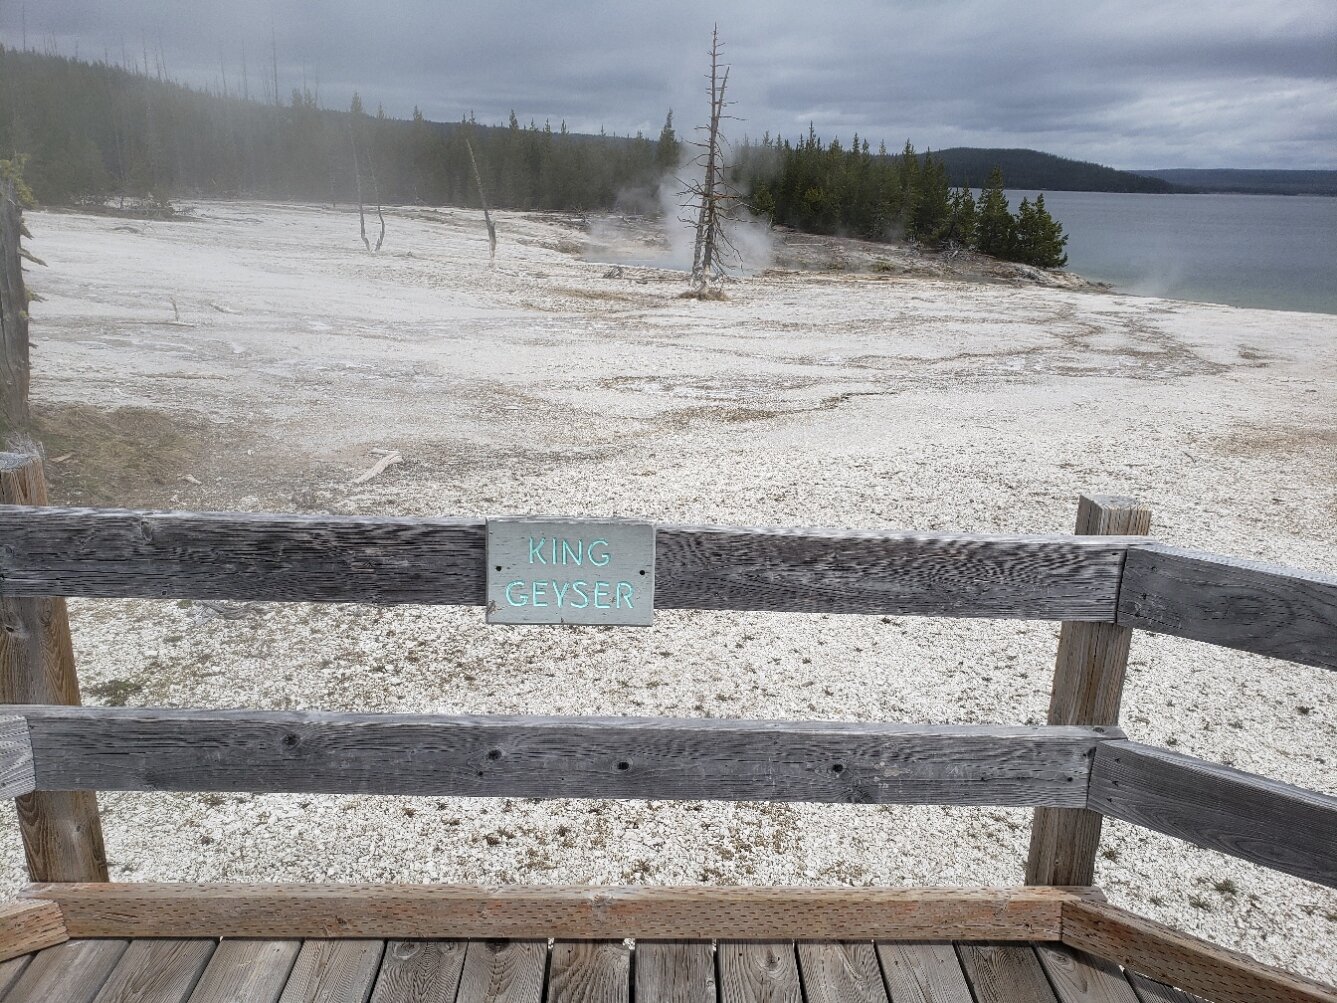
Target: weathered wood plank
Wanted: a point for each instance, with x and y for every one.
(1264, 608)
(1158, 992)
(580, 912)
(840, 972)
(420, 971)
(29, 926)
(62, 834)
(1088, 689)
(1081, 978)
(333, 971)
(1005, 973)
(157, 971)
(589, 971)
(246, 971)
(72, 972)
(284, 558)
(1176, 958)
(121, 748)
(1263, 821)
(675, 971)
(764, 972)
(16, 773)
(923, 973)
(11, 970)
(503, 971)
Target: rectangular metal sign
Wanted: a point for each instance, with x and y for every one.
(570, 571)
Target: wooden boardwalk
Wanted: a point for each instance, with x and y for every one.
(531, 971)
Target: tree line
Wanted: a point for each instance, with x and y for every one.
(93, 131)
(830, 188)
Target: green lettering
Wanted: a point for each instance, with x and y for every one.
(623, 591)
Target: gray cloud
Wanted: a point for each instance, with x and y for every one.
(1242, 83)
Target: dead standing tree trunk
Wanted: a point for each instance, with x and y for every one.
(14, 367)
(361, 208)
(482, 197)
(713, 198)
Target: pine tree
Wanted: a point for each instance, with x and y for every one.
(666, 151)
(994, 227)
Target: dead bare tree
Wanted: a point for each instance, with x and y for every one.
(361, 207)
(482, 197)
(712, 200)
(14, 299)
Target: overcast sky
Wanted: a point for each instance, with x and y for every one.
(1132, 84)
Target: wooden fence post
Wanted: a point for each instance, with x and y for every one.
(14, 373)
(1088, 687)
(62, 833)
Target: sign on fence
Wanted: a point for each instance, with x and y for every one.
(570, 571)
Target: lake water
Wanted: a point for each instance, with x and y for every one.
(1273, 251)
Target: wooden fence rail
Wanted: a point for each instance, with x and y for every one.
(285, 558)
(1263, 821)
(1264, 608)
(652, 758)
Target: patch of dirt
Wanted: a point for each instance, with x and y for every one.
(127, 456)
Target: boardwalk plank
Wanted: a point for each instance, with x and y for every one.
(675, 971)
(11, 970)
(1078, 977)
(1149, 991)
(72, 972)
(420, 971)
(923, 973)
(840, 972)
(589, 971)
(503, 971)
(753, 972)
(157, 971)
(334, 971)
(1005, 973)
(247, 971)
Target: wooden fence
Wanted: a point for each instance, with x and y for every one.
(1076, 770)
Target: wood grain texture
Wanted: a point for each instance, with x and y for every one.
(923, 973)
(1149, 991)
(62, 833)
(503, 971)
(579, 912)
(1264, 608)
(11, 970)
(840, 972)
(1088, 689)
(752, 972)
(1005, 973)
(675, 971)
(29, 926)
(1263, 821)
(119, 748)
(246, 971)
(1080, 978)
(334, 971)
(286, 558)
(72, 972)
(420, 971)
(16, 772)
(589, 971)
(1173, 957)
(157, 971)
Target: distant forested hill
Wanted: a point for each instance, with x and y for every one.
(91, 131)
(1250, 182)
(1033, 170)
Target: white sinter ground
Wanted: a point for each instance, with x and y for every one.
(870, 389)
